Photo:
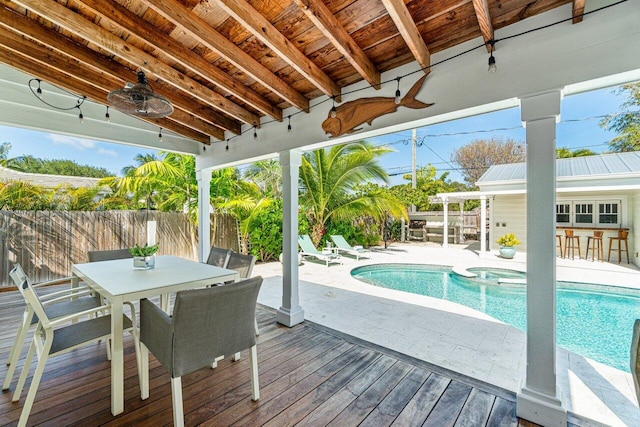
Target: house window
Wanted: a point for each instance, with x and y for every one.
(563, 213)
(608, 213)
(584, 213)
(579, 213)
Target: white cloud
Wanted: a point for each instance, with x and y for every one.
(77, 143)
(106, 152)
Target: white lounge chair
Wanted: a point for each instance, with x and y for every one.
(344, 246)
(308, 249)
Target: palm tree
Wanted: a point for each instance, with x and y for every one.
(267, 174)
(166, 182)
(24, 196)
(329, 179)
(68, 198)
(133, 183)
(245, 208)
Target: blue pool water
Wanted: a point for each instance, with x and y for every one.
(593, 321)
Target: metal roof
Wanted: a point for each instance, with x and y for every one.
(603, 164)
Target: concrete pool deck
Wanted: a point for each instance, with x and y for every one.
(454, 336)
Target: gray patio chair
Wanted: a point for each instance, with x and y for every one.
(218, 257)
(243, 264)
(205, 323)
(56, 304)
(108, 255)
(635, 358)
(51, 338)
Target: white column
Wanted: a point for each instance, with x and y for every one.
(445, 223)
(203, 177)
(491, 224)
(483, 225)
(539, 400)
(151, 232)
(290, 313)
(461, 225)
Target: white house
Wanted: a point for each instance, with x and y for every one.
(592, 193)
(52, 181)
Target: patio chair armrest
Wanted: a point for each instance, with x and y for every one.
(78, 293)
(59, 281)
(156, 331)
(62, 320)
(64, 292)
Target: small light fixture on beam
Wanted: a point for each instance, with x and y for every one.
(289, 125)
(492, 60)
(80, 116)
(255, 132)
(398, 97)
(107, 117)
(160, 135)
(333, 112)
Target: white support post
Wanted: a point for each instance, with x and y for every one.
(461, 225)
(151, 232)
(203, 177)
(290, 313)
(483, 226)
(491, 224)
(445, 225)
(539, 399)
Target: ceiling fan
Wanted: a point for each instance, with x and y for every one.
(140, 100)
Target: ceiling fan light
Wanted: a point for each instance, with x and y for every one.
(140, 100)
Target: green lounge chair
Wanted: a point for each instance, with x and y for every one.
(344, 246)
(308, 249)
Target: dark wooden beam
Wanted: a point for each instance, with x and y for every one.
(43, 63)
(29, 28)
(409, 32)
(197, 28)
(332, 29)
(261, 28)
(578, 10)
(77, 24)
(484, 21)
(121, 16)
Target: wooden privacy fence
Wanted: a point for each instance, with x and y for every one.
(47, 243)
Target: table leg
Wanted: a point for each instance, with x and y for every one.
(164, 303)
(117, 358)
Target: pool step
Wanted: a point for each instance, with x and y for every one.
(512, 281)
(463, 272)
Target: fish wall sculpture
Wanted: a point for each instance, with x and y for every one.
(365, 110)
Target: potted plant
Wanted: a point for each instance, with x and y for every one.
(507, 245)
(144, 256)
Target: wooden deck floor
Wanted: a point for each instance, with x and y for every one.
(309, 375)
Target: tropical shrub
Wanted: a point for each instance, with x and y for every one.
(265, 240)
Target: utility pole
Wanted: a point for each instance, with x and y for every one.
(414, 180)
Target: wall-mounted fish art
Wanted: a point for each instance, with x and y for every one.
(365, 110)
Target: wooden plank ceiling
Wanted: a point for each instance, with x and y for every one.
(225, 63)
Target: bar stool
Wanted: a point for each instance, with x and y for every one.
(569, 240)
(622, 237)
(559, 244)
(597, 247)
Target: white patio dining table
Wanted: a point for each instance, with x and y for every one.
(119, 282)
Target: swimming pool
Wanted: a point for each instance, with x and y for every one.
(593, 321)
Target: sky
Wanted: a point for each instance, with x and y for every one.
(578, 128)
